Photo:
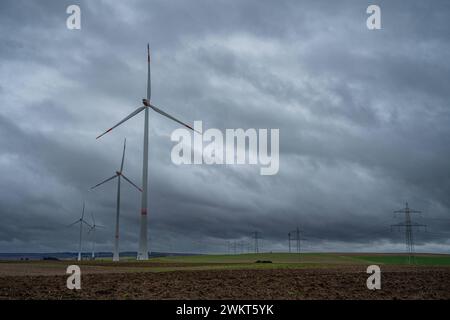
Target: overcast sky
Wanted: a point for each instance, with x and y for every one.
(363, 116)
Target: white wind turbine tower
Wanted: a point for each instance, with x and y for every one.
(93, 229)
(80, 221)
(143, 245)
(118, 175)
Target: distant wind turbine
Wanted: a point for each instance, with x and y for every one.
(143, 242)
(80, 221)
(93, 229)
(119, 174)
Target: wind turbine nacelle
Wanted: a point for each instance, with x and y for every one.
(146, 102)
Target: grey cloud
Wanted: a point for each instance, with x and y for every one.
(363, 118)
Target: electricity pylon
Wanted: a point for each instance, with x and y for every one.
(408, 225)
(295, 235)
(256, 237)
(289, 240)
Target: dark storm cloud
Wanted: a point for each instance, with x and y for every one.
(363, 118)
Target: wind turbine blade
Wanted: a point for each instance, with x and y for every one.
(69, 225)
(93, 219)
(82, 215)
(86, 223)
(131, 115)
(172, 118)
(149, 79)
(114, 176)
(123, 155)
(129, 181)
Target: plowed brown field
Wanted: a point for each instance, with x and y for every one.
(347, 282)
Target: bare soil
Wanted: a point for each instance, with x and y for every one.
(46, 268)
(326, 283)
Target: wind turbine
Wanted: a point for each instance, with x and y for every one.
(92, 229)
(143, 244)
(80, 221)
(119, 174)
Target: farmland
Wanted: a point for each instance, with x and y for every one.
(245, 276)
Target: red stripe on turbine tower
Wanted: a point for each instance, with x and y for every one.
(144, 211)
